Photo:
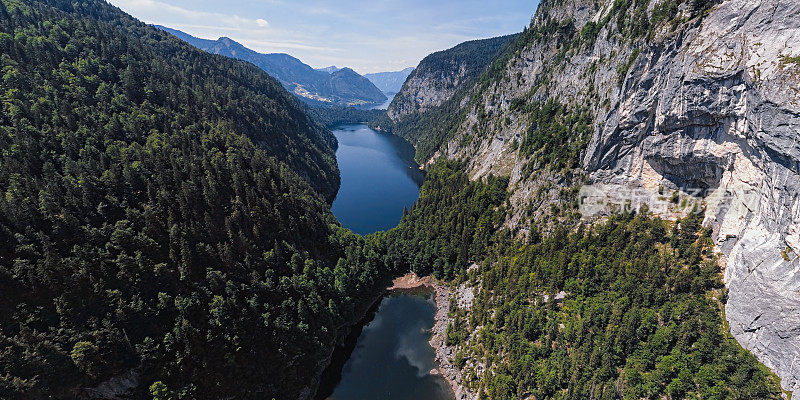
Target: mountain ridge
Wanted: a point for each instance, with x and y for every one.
(345, 88)
(429, 102)
(440, 74)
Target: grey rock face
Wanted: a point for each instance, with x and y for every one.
(710, 109)
(423, 91)
(117, 387)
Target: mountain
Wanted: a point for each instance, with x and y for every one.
(390, 82)
(440, 74)
(349, 84)
(428, 103)
(330, 69)
(165, 224)
(651, 106)
(342, 87)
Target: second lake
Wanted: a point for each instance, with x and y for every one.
(379, 179)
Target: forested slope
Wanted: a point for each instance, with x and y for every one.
(163, 217)
(153, 79)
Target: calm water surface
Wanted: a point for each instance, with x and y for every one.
(386, 356)
(392, 358)
(385, 105)
(379, 179)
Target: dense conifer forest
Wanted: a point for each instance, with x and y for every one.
(164, 211)
(627, 308)
(334, 116)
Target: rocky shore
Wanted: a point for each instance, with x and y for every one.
(444, 353)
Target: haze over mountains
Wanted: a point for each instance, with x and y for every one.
(390, 82)
(341, 87)
(330, 69)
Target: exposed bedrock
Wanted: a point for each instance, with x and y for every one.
(717, 110)
(710, 109)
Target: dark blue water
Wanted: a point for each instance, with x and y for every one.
(392, 358)
(379, 179)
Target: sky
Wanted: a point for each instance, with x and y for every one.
(368, 36)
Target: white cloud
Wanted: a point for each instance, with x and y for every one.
(273, 46)
(158, 12)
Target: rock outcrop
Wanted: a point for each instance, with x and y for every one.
(117, 387)
(717, 109)
(703, 102)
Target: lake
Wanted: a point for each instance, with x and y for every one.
(386, 355)
(391, 358)
(385, 105)
(379, 179)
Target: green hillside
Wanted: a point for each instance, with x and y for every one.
(163, 213)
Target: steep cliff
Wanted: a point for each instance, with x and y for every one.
(689, 103)
(440, 74)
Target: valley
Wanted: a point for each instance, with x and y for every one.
(601, 206)
(319, 88)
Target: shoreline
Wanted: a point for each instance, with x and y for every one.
(444, 353)
(311, 392)
(410, 282)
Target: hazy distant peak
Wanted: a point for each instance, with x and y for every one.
(390, 82)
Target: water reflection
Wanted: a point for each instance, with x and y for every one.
(392, 358)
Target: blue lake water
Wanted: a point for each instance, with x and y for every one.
(379, 179)
(392, 358)
(385, 105)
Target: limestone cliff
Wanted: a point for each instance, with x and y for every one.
(695, 99)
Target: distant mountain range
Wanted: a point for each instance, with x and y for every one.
(331, 86)
(389, 82)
